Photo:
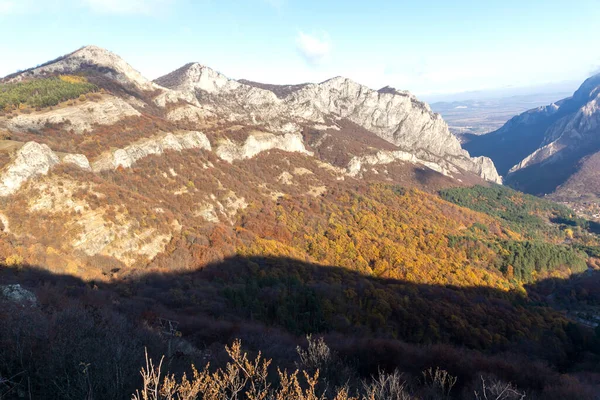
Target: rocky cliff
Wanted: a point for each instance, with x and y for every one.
(398, 117)
(542, 148)
(32, 159)
(129, 155)
(580, 128)
(79, 118)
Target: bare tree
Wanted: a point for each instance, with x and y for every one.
(498, 390)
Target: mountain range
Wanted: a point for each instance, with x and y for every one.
(341, 130)
(173, 217)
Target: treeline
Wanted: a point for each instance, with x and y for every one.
(525, 213)
(46, 92)
(304, 299)
(525, 261)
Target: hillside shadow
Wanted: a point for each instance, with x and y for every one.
(301, 298)
(271, 303)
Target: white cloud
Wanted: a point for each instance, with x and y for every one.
(314, 48)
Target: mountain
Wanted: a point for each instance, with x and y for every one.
(542, 148)
(395, 116)
(182, 214)
(79, 128)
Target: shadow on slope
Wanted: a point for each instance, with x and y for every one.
(92, 334)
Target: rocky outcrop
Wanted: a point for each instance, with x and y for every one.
(92, 232)
(129, 155)
(194, 76)
(519, 137)
(259, 142)
(480, 166)
(78, 160)
(78, 118)
(484, 167)
(190, 113)
(396, 116)
(122, 241)
(17, 294)
(383, 157)
(32, 159)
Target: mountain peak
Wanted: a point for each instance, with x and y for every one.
(89, 56)
(194, 76)
(337, 79)
(93, 48)
(392, 90)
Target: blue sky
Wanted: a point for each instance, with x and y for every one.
(438, 46)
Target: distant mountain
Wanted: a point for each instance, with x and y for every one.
(542, 148)
(504, 92)
(474, 117)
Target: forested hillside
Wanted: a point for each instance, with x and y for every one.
(214, 220)
(41, 93)
(400, 267)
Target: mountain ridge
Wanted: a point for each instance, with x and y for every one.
(541, 149)
(396, 116)
(235, 209)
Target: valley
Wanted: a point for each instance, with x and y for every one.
(340, 231)
(469, 118)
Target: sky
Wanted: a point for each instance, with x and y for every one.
(429, 48)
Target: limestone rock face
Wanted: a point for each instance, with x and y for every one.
(189, 112)
(32, 159)
(386, 157)
(79, 118)
(195, 76)
(129, 155)
(78, 160)
(396, 116)
(259, 142)
(484, 167)
(577, 129)
(542, 149)
(93, 234)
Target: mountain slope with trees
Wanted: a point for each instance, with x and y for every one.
(176, 220)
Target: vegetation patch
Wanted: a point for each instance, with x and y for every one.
(529, 215)
(47, 92)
